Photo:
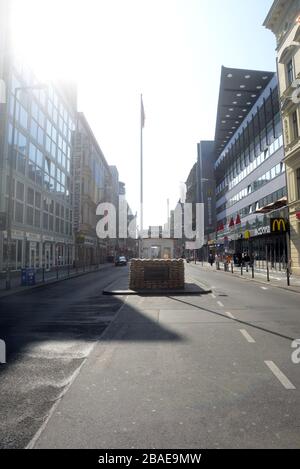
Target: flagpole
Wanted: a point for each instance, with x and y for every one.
(142, 180)
(142, 175)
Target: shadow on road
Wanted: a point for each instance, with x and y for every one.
(71, 311)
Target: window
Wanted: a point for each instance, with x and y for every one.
(290, 72)
(295, 125)
(30, 196)
(22, 142)
(19, 208)
(298, 182)
(23, 117)
(29, 216)
(20, 191)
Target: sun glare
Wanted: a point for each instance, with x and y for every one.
(44, 35)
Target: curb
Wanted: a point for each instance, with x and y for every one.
(20, 290)
(155, 292)
(255, 280)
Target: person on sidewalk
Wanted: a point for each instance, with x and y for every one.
(211, 259)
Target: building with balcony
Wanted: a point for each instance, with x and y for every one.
(284, 21)
(249, 168)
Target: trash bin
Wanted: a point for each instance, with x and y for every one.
(27, 277)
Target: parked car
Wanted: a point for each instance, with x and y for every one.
(120, 260)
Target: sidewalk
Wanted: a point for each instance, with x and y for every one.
(63, 273)
(277, 279)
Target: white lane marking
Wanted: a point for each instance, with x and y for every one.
(279, 375)
(213, 296)
(247, 336)
(230, 315)
(264, 288)
(220, 304)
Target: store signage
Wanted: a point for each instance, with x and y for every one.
(278, 225)
(33, 237)
(247, 234)
(16, 234)
(49, 239)
(262, 230)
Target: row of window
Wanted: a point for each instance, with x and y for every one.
(260, 182)
(61, 157)
(35, 212)
(46, 99)
(251, 209)
(230, 180)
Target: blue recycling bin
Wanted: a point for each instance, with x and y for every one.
(27, 277)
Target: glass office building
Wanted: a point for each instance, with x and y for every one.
(249, 167)
(42, 234)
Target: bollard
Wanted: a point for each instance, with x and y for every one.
(232, 267)
(288, 276)
(43, 275)
(268, 273)
(68, 270)
(252, 270)
(57, 272)
(242, 269)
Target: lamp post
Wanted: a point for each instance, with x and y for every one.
(10, 178)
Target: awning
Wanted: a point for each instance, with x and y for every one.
(280, 203)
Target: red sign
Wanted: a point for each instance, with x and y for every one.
(298, 215)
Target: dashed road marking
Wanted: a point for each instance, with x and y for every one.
(213, 296)
(247, 336)
(279, 375)
(230, 315)
(220, 304)
(264, 288)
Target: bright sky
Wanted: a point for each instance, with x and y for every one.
(169, 50)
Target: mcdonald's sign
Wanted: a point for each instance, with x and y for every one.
(278, 225)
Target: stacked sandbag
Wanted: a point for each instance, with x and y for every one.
(156, 274)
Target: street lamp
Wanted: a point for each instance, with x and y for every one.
(10, 178)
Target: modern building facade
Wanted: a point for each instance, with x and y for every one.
(249, 168)
(40, 188)
(92, 181)
(284, 21)
(207, 184)
(201, 188)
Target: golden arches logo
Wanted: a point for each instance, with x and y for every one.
(278, 225)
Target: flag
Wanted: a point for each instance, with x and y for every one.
(142, 113)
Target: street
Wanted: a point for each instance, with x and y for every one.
(48, 333)
(210, 371)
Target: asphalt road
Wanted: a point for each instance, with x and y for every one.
(49, 332)
(210, 371)
(213, 371)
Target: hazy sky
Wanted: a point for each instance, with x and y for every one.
(169, 50)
